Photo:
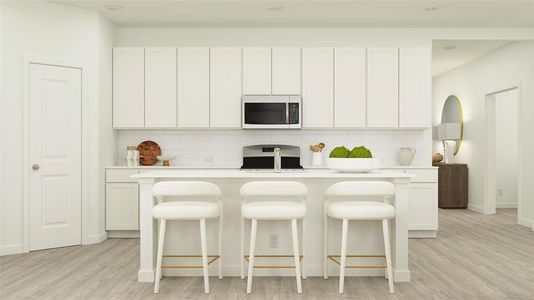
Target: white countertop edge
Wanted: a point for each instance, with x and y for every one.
(159, 167)
(226, 174)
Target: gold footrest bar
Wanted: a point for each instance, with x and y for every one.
(213, 258)
(246, 257)
(333, 258)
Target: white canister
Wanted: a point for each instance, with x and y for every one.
(406, 156)
(317, 158)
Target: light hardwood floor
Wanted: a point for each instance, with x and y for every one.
(474, 257)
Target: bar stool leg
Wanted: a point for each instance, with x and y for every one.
(251, 255)
(296, 254)
(304, 262)
(385, 227)
(343, 255)
(325, 245)
(161, 241)
(204, 255)
(242, 248)
(220, 244)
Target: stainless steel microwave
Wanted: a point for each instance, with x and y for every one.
(271, 112)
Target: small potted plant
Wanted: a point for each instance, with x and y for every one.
(358, 160)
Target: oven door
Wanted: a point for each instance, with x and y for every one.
(265, 112)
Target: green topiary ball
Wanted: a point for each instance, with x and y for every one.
(360, 152)
(339, 152)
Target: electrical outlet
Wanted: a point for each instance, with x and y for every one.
(273, 241)
(499, 192)
(209, 159)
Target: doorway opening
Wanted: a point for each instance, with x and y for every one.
(502, 180)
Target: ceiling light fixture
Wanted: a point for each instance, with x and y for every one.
(113, 7)
(432, 7)
(275, 7)
(450, 47)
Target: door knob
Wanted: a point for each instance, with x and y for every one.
(35, 167)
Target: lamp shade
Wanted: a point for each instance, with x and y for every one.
(449, 131)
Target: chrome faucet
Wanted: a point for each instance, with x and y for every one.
(277, 160)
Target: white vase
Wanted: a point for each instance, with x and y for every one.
(317, 158)
(406, 155)
(449, 147)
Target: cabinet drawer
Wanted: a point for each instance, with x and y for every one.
(121, 175)
(424, 175)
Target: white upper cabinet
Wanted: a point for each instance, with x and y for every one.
(382, 87)
(415, 87)
(349, 87)
(256, 71)
(128, 87)
(225, 87)
(193, 87)
(286, 71)
(317, 87)
(160, 87)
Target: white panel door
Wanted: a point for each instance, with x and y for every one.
(317, 87)
(225, 87)
(256, 71)
(382, 87)
(122, 206)
(286, 71)
(193, 87)
(128, 87)
(415, 81)
(55, 156)
(160, 87)
(350, 87)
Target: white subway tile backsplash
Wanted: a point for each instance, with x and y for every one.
(224, 147)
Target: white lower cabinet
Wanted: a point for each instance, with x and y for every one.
(122, 206)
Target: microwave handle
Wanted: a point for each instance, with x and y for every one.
(287, 113)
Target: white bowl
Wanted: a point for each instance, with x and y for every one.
(354, 165)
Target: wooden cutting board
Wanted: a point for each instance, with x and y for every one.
(148, 152)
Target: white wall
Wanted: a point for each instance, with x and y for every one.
(44, 30)
(505, 67)
(506, 148)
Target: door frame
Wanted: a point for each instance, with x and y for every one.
(26, 142)
(490, 195)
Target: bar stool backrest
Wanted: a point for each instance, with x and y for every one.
(361, 189)
(277, 189)
(185, 189)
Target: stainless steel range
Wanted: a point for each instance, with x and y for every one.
(274, 157)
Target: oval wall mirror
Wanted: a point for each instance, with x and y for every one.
(452, 113)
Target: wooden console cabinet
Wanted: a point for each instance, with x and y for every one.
(452, 185)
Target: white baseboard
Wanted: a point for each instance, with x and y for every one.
(11, 249)
(506, 205)
(123, 234)
(526, 222)
(476, 208)
(97, 238)
(422, 234)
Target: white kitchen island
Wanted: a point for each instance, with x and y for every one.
(183, 238)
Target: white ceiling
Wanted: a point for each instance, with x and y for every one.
(444, 60)
(453, 13)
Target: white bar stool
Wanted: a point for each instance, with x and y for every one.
(288, 205)
(359, 210)
(188, 210)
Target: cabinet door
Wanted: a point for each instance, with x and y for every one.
(349, 87)
(193, 87)
(423, 211)
(415, 81)
(382, 87)
(257, 71)
(317, 87)
(225, 87)
(286, 71)
(128, 87)
(160, 87)
(122, 206)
